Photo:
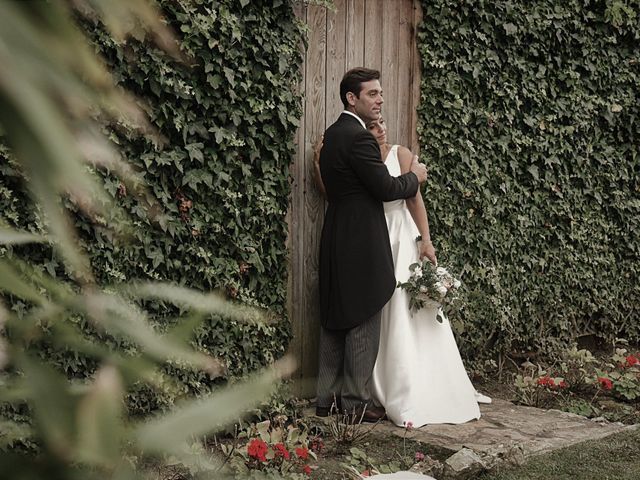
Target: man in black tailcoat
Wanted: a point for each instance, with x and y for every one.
(356, 266)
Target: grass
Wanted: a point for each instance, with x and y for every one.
(616, 457)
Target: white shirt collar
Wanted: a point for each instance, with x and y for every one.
(356, 116)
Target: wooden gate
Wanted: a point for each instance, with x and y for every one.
(377, 34)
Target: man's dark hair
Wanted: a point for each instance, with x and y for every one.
(353, 80)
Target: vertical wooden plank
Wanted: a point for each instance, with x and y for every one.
(416, 77)
(389, 71)
(295, 240)
(355, 34)
(313, 203)
(373, 34)
(336, 52)
(405, 92)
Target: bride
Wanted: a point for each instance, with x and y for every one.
(419, 377)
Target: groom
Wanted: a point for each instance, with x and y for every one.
(356, 266)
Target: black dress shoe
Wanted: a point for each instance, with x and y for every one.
(322, 411)
(326, 411)
(370, 415)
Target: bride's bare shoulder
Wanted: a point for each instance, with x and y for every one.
(404, 157)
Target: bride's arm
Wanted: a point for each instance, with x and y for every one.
(316, 166)
(417, 209)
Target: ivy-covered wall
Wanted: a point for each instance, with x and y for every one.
(529, 120)
(221, 176)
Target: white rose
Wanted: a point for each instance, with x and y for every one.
(423, 289)
(456, 284)
(441, 271)
(442, 290)
(417, 272)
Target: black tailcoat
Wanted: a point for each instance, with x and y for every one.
(356, 265)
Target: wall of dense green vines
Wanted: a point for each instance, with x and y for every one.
(222, 177)
(530, 122)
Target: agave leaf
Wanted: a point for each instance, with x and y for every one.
(9, 236)
(12, 432)
(11, 282)
(56, 289)
(114, 314)
(52, 404)
(169, 433)
(53, 148)
(201, 302)
(99, 419)
(122, 18)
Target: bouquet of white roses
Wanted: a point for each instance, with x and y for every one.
(429, 285)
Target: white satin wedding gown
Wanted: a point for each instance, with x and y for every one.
(419, 376)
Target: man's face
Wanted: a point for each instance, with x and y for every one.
(369, 105)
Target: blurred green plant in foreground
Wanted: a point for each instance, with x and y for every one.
(54, 95)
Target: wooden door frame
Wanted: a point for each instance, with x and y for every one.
(329, 55)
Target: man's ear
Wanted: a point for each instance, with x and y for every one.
(351, 98)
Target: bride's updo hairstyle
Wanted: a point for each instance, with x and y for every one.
(352, 82)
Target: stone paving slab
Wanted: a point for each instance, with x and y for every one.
(505, 428)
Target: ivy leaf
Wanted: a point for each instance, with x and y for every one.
(533, 170)
(510, 28)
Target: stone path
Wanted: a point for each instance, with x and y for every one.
(504, 426)
(504, 433)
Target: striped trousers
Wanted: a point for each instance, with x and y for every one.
(346, 363)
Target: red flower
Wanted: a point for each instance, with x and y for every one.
(605, 383)
(302, 452)
(408, 425)
(365, 473)
(419, 456)
(281, 450)
(546, 381)
(563, 384)
(306, 469)
(258, 449)
(632, 360)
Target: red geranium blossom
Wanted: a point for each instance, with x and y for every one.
(281, 450)
(632, 360)
(302, 452)
(306, 469)
(605, 383)
(563, 384)
(546, 381)
(258, 449)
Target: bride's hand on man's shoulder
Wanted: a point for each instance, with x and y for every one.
(317, 146)
(419, 169)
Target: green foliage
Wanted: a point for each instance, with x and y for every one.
(216, 159)
(581, 383)
(529, 121)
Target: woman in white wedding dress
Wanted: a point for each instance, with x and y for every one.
(419, 376)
